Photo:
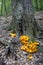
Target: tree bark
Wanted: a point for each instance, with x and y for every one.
(1, 7)
(5, 7)
(23, 18)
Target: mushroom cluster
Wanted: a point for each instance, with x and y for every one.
(27, 44)
(12, 34)
(30, 47)
(24, 39)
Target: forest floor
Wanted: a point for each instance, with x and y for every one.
(21, 55)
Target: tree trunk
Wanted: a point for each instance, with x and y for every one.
(5, 7)
(1, 7)
(23, 18)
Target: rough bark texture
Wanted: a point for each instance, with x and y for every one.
(23, 18)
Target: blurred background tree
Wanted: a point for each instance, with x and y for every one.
(37, 4)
